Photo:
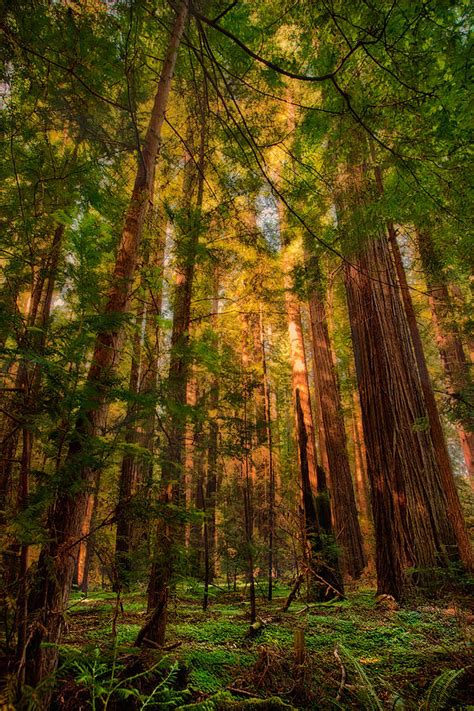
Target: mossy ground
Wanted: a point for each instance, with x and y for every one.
(386, 654)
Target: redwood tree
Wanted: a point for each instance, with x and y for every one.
(409, 500)
(346, 523)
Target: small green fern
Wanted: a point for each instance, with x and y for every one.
(441, 690)
(371, 699)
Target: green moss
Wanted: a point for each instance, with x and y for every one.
(399, 651)
(276, 635)
(211, 669)
(229, 610)
(218, 658)
(126, 633)
(226, 702)
(215, 631)
(206, 681)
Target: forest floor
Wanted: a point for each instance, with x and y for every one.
(357, 654)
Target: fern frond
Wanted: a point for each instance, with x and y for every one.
(372, 700)
(441, 690)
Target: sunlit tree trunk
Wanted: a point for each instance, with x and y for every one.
(25, 404)
(248, 471)
(438, 440)
(88, 545)
(50, 591)
(360, 459)
(325, 578)
(343, 504)
(434, 422)
(408, 498)
(19, 405)
(271, 460)
(193, 473)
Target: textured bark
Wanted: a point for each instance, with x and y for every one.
(326, 582)
(247, 487)
(454, 510)
(346, 523)
(194, 472)
(19, 407)
(52, 581)
(89, 543)
(407, 491)
(437, 437)
(453, 357)
(25, 405)
(248, 472)
(82, 553)
(300, 377)
(360, 459)
(271, 463)
(128, 472)
(324, 579)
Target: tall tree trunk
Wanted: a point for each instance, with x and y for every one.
(172, 469)
(194, 472)
(247, 472)
(212, 455)
(326, 582)
(455, 363)
(205, 537)
(52, 582)
(343, 504)
(28, 382)
(82, 552)
(89, 543)
(360, 459)
(247, 487)
(19, 407)
(408, 498)
(271, 463)
(436, 430)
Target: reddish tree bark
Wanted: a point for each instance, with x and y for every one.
(343, 505)
(408, 498)
(271, 462)
(325, 579)
(436, 430)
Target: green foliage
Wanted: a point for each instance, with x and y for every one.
(224, 701)
(437, 698)
(216, 631)
(210, 670)
(107, 681)
(366, 690)
(440, 692)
